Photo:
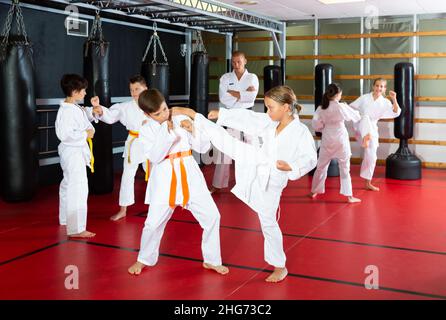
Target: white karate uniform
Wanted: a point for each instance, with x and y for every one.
(258, 181)
(131, 116)
(158, 143)
(335, 144)
(229, 81)
(371, 111)
(72, 121)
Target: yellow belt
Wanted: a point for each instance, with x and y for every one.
(134, 135)
(90, 144)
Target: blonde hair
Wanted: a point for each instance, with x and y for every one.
(284, 95)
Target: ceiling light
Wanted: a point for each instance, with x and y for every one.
(246, 3)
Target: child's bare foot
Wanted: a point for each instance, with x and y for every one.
(136, 268)
(218, 269)
(83, 234)
(366, 141)
(182, 110)
(121, 214)
(214, 189)
(370, 186)
(312, 195)
(353, 200)
(278, 275)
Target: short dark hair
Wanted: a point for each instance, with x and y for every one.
(150, 100)
(72, 82)
(138, 79)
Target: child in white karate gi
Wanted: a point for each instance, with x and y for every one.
(373, 106)
(74, 130)
(132, 117)
(287, 153)
(175, 179)
(329, 119)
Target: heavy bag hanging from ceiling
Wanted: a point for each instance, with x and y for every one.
(155, 73)
(323, 76)
(96, 71)
(18, 120)
(403, 164)
(199, 82)
(272, 77)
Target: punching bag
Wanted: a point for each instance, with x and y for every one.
(403, 164)
(323, 76)
(199, 82)
(272, 77)
(18, 121)
(96, 71)
(156, 74)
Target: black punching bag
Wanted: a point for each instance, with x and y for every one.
(96, 71)
(323, 76)
(157, 76)
(199, 82)
(403, 164)
(18, 125)
(272, 77)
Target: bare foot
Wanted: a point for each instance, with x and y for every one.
(83, 234)
(278, 275)
(353, 200)
(370, 186)
(121, 214)
(136, 268)
(214, 189)
(218, 269)
(366, 141)
(312, 195)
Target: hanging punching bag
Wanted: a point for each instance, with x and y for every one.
(403, 164)
(156, 74)
(96, 71)
(199, 83)
(18, 125)
(323, 76)
(272, 77)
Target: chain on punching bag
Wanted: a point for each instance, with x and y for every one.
(18, 121)
(156, 74)
(199, 83)
(96, 71)
(403, 164)
(323, 76)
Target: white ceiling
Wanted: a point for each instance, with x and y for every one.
(305, 9)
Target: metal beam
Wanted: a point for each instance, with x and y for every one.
(225, 12)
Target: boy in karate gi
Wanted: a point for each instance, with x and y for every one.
(175, 180)
(74, 130)
(132, 117)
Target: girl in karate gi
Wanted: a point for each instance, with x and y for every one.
(287, 153)
(132, 117)
(73, 128)
(373, 106)
(175, 179)
(329, 119)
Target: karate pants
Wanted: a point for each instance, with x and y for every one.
(203, 208)
(127, 190)
(73, 193)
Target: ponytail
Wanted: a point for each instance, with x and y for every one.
(332, 90)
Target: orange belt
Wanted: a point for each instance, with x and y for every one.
(173, 182)
(134, 135)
